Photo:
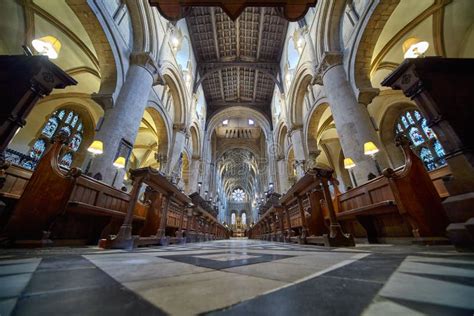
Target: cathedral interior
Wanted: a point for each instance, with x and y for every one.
(236, 157)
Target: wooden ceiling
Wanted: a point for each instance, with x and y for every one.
(238, 61)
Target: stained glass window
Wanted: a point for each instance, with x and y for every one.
(415, 136)
(61, 120)
(417, 115)
(429, 133)
(411, 123)
(75, 142)
(74, 121)
(66, 161)
(50, 127)
(427, 158)
(244, 218)
(404, 121)
(38, 149)
(69, 117)
(232, 219)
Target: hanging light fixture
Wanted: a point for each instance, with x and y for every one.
(48, 46)
(414, 47)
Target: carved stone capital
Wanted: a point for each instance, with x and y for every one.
(106, 101)
(366, 95)
(181, 128)
(294, 128)
(329, 60)
(147, 62)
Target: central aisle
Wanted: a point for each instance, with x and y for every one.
(236, 276)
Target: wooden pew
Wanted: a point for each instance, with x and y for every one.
(299, 215)
(401, 203)
(53, 203)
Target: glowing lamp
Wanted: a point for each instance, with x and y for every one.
(349, 163)
(370, 149)
(96, 148)
(414, 47)
(47, 45)
(119, 163)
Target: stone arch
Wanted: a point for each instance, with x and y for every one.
(152, 141)
(195, 141)
(178, 91)
(332, 12)
(311, 125)
(387, 131)
(109, 55)
(219, 116)
(297, 93)
(360, 59)
(281, 136)
(145, 37)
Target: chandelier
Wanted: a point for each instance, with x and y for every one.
(238, 195)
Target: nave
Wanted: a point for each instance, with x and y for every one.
(238, 277)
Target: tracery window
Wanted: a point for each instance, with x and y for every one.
(65, 120)
(425, 143)
(232, 219)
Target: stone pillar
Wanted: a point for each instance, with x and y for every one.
(179, 140)
(352, 119)
(194, 176)
(282, 174)
(297, 139)
(123, 119)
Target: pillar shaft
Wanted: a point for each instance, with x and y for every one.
(352, 119)
(123, 119)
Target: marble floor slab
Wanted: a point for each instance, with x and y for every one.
(238, 277)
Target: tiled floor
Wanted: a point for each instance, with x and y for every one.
(238, 277)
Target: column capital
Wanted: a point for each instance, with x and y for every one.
(147, 62)
(328, 61)
(366, 95)
(294, 128)
(105, 100)
(180, 128)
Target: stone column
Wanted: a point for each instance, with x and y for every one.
(297, 139)
(352, 119)
(179, 140)
(123, 119)
(282, 174)
(194, 176)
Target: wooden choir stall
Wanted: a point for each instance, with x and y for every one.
(56, 206)
(299, 215)
(402, 204)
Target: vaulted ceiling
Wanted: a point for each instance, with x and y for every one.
(238, 62)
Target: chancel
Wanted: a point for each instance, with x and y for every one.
(244, 157)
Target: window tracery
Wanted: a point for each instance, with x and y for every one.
(64, 120)
(425, 143)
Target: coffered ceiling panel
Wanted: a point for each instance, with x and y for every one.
(238, 61)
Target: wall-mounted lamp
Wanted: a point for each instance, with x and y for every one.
(96, 148)
(48, 46)
(370, 150)
(199, 187)
(349, 164)
(414, 47)
(119, 163)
